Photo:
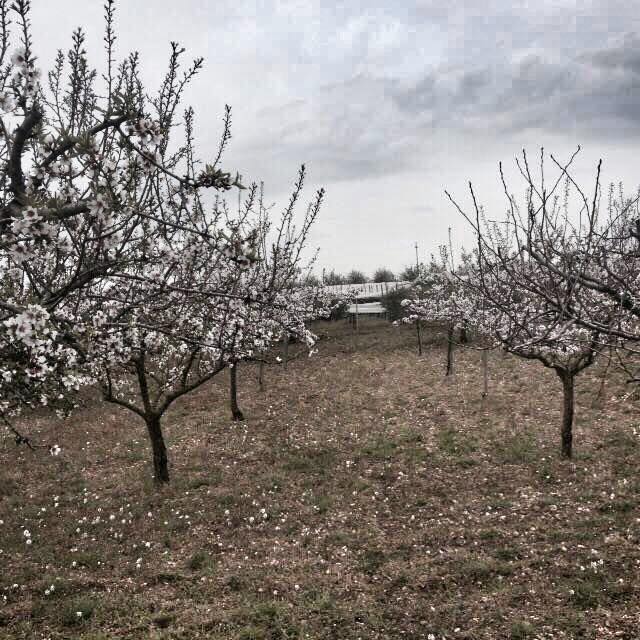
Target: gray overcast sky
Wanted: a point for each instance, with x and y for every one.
(389, 103)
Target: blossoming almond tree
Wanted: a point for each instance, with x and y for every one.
(304, 304)
(439, 295)
(93, 177)
(527, 304)
(277, 270)
(182, 321)
(302, 299)
(298, 306)
(605, 259)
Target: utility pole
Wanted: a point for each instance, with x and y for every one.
(418, 328)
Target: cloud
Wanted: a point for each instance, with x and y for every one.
(370, 125)
(388, 102)
(623, 55)
(592, 93)
(349, 130)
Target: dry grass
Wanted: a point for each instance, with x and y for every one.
(366, 496)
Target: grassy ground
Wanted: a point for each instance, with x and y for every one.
(365, 496)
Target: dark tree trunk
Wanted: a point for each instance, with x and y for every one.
(449, 350)
(568, 391)
(236, 414)
(285, 350)
(261, 375)
(160, 462)
(463, 334)
(485, 374)
(419, 333)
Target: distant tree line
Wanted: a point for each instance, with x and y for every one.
(355, 276)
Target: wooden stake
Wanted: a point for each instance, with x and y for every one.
(356, 314)
(485, 374)
(285, 349)
(449, 350)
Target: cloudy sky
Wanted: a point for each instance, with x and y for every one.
(390, 103)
